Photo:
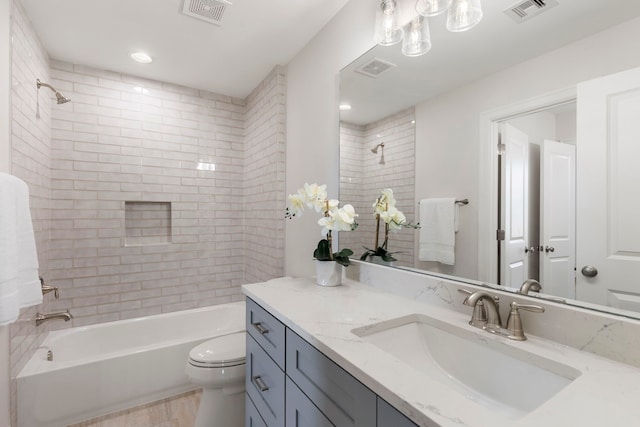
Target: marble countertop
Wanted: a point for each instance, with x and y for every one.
(605, 393)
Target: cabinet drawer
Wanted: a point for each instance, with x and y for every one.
(343, 399)
(388, 416)
(252, 418)
(267, 331)
(264, 382)
(301, 412)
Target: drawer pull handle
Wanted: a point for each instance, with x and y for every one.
(257, 380)
(260, 328)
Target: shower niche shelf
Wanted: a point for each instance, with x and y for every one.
(147, 223)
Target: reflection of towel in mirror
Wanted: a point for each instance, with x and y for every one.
(19, 282)
(437, 230)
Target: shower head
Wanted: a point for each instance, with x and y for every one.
(59, 97)
(374, 150)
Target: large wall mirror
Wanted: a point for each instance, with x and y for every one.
(505, 116)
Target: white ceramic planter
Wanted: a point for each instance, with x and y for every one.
(328, 273)
(378, 260)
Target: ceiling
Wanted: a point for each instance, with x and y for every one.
(230, 59)
(456, 59)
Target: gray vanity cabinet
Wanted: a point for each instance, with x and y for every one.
(292, 384)
(300, 411)
(342, 398)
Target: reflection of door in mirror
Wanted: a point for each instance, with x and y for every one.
(608, 197)
(364, 173)
(537, 202)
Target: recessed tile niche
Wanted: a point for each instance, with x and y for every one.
(147, 223)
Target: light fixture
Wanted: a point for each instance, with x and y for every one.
(141, 57)
(388, 28)
(344, 107)
(395, 21)
(417, 40)
(432, 7)
(463, 15)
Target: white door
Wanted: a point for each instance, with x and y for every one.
(608, 191)
(514, 210)
(557, 223)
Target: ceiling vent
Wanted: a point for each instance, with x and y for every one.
(375, 68)
(527, 9)
(210, 11)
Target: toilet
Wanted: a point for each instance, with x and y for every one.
(217, 366)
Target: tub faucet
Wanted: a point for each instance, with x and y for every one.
(490, 306)
(61, 315)
(530, 285)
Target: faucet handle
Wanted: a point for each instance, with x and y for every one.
(514, 322)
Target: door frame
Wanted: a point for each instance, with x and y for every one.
(489, 168)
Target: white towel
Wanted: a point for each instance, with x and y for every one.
(438, 230)
(19, 282)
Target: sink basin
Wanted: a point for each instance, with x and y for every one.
(480, 367)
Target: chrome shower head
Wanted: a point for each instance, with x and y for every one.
(374, 150)
(61, 99)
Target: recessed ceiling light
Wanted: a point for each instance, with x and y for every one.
(345, 107)
(141, 57)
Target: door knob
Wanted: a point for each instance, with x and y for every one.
(531, 249)
(549, 249)
(589, 271)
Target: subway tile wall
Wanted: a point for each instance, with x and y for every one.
(31, 162)
(265, 128)
(126, 139)
(362, 178)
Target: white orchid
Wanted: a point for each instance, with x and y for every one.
(394, 218)
(384, 202)
(334, 219)
(385, 211)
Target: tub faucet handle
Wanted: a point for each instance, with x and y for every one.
(48, 288)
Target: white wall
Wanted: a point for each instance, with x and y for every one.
(312, 120)
(447, 127)
(5, 161)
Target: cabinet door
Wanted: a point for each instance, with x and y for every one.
(388, 416)
(265, 384)
(267, 331)
(300, 411)
(340, 397)
(252, 417)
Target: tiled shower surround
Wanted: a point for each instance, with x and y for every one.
(362, 179)
(210, 164)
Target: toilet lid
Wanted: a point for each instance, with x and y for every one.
(219, 352)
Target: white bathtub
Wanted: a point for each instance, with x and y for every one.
(104, 368)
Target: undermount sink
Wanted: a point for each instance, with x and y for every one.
(482, 368)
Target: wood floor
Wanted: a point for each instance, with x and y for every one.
(177, 411)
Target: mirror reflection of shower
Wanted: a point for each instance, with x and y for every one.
(374, 150)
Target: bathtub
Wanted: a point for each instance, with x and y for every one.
(105, 368)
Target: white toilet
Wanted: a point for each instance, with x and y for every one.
(217, 366)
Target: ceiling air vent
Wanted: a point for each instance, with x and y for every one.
(375, 68)
(210, 11)
(527, 9)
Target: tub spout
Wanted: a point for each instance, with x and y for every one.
(61, 315)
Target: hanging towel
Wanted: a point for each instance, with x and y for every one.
(437, 230)
(19, 281)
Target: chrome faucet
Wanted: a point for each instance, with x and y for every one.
(61, 315)
(493, 321)
(530, 285)
(486, 314)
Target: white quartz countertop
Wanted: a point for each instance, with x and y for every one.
(606, 393)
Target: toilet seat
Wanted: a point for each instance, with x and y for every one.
(220, 352)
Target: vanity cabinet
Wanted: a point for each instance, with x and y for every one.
(291, 384)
